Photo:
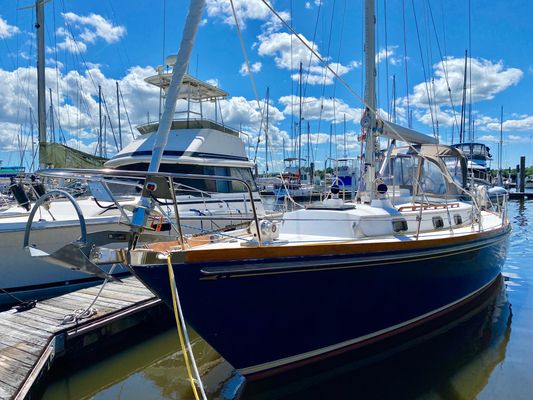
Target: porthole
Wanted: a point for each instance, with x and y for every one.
(399, 225)
(458, 219)
(438, 222)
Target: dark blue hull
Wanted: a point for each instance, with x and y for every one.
(264, 316)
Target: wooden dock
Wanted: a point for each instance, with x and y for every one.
(30, 341)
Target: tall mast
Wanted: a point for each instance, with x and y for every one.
(500, 149)
(118, 115)
(344, 129)
(266, 130)
(52, 127)
(463, 106)
(101, 152)
(41, 94)
(196, 8)
(368, 122)
(300, 128)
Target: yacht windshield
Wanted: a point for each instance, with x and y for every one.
(432, 180)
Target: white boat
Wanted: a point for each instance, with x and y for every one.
(479, 176)
(529, 182)
(296, 182)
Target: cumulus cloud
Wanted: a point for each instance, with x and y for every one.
(94, 26)
(488, 79)
(289, 51)
(390, 53)
(77, 107)
(525, 123)
(6, 30)
(314, 108)
(88, 29)
(245, 10)
(69, 43)
(254, 67)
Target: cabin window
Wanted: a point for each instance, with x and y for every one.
(403, 169)
(244, 174)
(453, 164)
(438, 222)
(431, 179)
(458, 219)
(206, 185)
(399, 225)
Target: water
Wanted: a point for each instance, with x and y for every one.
(488, 354)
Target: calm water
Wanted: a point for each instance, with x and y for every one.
(488, 354)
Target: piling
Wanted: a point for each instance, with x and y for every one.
(522, 174)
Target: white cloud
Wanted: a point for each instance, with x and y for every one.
(525, 123)
(6, 30)
(389, 53)
(69, 44)
(254, 67)
(488, 79)
(288, 51)
(244, 9)
(95, 26)
(78, 107)
(213, 82)
(488, 139)
(314, 108)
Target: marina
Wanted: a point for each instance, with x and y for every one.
(480, 354)
(386, 259)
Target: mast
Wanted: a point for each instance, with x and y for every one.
(41, 106)
(300, 129)
(196, 8)
(266, 130)
(500, 147)
(463, 106)
(368, 122)
(52, 127)
(100, 137)
(344, 129)
(118, 115)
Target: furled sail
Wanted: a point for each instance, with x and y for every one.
(60, 156)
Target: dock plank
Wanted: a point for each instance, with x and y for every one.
(7, 342)
(12, 370)
(112, 303)
(6, 325)
(118, 298)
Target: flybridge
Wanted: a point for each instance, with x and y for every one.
(191, 88)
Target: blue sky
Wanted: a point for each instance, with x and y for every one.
(100, 42)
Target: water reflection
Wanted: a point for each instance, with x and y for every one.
(521, 218)
(454, 362)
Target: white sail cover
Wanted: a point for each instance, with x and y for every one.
(398, 132)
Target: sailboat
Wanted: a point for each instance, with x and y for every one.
(334, 276)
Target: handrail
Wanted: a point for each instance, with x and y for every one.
(94, 174)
